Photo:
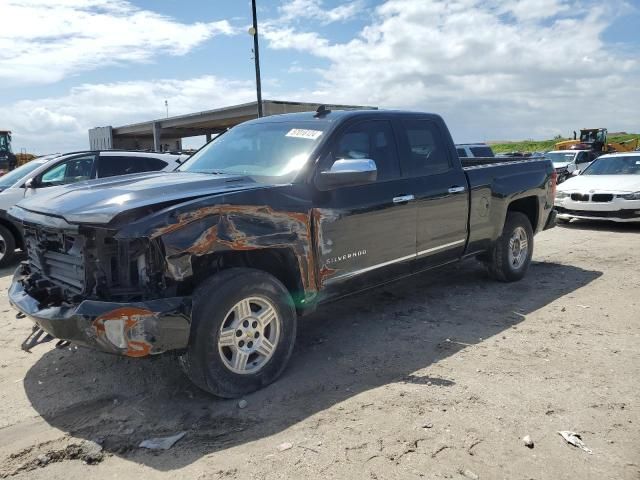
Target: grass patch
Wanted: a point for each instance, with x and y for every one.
(546, 145)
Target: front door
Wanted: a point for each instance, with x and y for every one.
(440, 188)
(367, 233)
(72, 170)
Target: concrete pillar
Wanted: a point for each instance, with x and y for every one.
(156, 136)
(208, 137)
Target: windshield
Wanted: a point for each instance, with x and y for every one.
(16, 175)
(278, 149)
(560, 157)
(627, 165)
(590, 136)
(5, 142)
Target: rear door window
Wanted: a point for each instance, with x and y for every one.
(110, 166)
(462, 153)
(427, 151)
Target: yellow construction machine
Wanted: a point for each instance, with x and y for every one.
(8, 160)
(595, 139)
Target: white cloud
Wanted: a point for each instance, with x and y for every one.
(532, 10)
(43, 41)
(493, 68)
(60, 124)
(314, 9)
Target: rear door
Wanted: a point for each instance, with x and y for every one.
(110, 165)
(367, 233)
(440, 189)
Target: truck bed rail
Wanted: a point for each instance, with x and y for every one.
(477, 162)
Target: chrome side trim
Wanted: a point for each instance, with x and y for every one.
(404, 199)
(441, 247)
(368, 269)
(395, 260)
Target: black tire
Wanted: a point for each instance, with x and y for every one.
(499, 265)
(7, 246)
(202, 362)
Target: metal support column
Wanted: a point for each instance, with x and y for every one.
(156, 136)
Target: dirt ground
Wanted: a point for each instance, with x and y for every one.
(436, 377)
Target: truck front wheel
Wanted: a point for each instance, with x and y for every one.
(511, 255)
(243, 332)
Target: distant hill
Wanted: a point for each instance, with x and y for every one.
(545, 145)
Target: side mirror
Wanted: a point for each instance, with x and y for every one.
(31, 183)
(575, 173)
(348, 172)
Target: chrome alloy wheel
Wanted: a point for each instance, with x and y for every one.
(3, 247)
(518, 248)
(249, 335)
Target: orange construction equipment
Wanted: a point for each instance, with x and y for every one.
(595, 139)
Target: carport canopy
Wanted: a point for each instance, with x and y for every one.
(208, 123)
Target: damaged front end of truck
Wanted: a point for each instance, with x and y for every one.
(82, 285)
(125, 287)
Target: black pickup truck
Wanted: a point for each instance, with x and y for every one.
(218, 259)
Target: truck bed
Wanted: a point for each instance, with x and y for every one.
(496, 182)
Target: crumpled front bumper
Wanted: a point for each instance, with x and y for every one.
(133, 329)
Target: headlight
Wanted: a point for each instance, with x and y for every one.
(631, 196)
(561, 195)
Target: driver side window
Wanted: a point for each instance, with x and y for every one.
(374, 140)
(71, 171)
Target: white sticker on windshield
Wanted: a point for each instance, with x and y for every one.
(303, 133)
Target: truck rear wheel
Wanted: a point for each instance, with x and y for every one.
(511, 255)
(7, 246)
(243, 332)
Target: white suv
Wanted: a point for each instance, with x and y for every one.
(56, 170)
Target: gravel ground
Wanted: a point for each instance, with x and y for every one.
(440, 376)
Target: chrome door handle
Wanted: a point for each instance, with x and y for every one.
(403, 199)
(457, 189)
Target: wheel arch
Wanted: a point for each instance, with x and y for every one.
(527, 206)
(282, 263)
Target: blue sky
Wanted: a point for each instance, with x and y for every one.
(495, 69)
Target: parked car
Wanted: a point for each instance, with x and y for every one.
(54, 170)
(569, 162)
(279, 215)
(470, 150)
(608, 189)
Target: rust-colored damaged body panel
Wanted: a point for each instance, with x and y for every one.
(238, 228)
(197, 230)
